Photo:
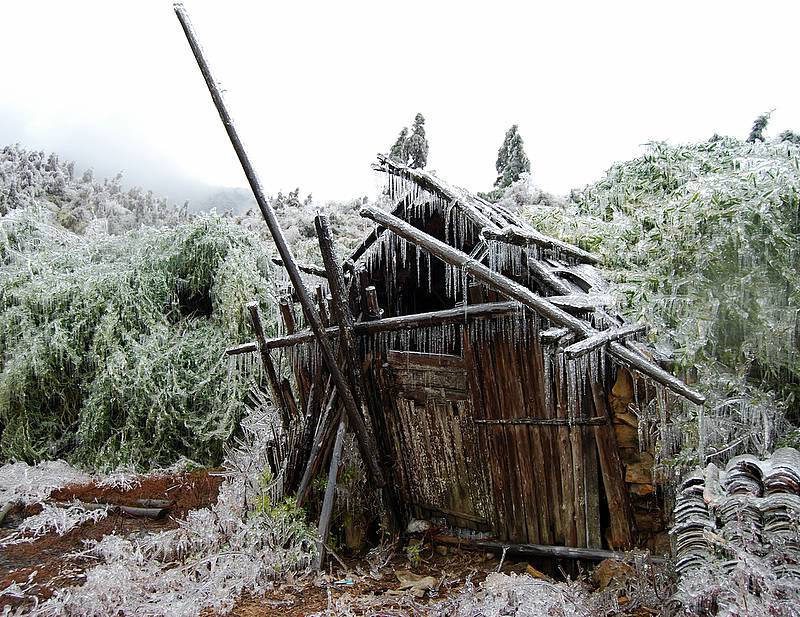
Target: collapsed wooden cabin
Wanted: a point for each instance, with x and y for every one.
(481, 354)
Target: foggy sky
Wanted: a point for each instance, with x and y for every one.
(318, 88)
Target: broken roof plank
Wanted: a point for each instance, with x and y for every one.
(512, 289)
(472, 209)
(576, 350)
(581, 301)
(527, 237)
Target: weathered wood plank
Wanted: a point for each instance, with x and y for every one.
(622, 527)
(536, 550)
(422, 361)
(520, 237)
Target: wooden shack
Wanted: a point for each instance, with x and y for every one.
(482, 354)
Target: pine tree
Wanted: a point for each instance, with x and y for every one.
(512, 161)
(399, 151)
(417, 147)
(757, 132)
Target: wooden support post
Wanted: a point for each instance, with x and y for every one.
(622, 525)
(287, 315)
(327, 502)
(340, 308)
(374, 311)
(312, 316)
(269, 367)
(329, 417)
(323, 307)
(527, 237)
(514, 290)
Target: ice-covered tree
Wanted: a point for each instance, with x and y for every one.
(417, 145)
(757, 132)
(512, 161)
(789, 136)
(399, 151)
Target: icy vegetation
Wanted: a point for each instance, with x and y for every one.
(702, 242)
(78, 203)
(111, 346)
(19, 482)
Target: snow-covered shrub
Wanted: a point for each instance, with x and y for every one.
(111, 347)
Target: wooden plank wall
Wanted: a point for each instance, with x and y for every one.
(544, 476)
(441, 466)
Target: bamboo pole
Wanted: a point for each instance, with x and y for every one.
(390, 324)
(327, 502)
(269, 367)
(518, 292)
(312, 316)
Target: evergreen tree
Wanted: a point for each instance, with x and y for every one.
(417, 145)
(757, 132)
(789, 136)
(512, 161)
(399, 151)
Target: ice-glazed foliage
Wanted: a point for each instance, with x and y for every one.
(111, 346)
(702, 243)
(78, 202)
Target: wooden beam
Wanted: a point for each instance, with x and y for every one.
(528, 237)
(307, 268)
(243, 348)
(323, 306)
(340, 309)
(390, 324)
(576, 350)
(514, 290)
(535, 550)
(312, 316)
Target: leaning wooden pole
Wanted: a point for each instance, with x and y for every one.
(514, 290)
(312, 316)
(330, 490)
(269, 367)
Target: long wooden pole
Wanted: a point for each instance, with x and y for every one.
(518, 292)
(269, 367)
(330, 488)
(312, 316)
(391, 324)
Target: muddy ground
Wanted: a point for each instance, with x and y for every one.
(385, 584)
(51, 561)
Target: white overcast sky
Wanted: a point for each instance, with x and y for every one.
(318, 88)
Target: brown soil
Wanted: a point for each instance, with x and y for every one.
(311, 597)
(52, 562)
